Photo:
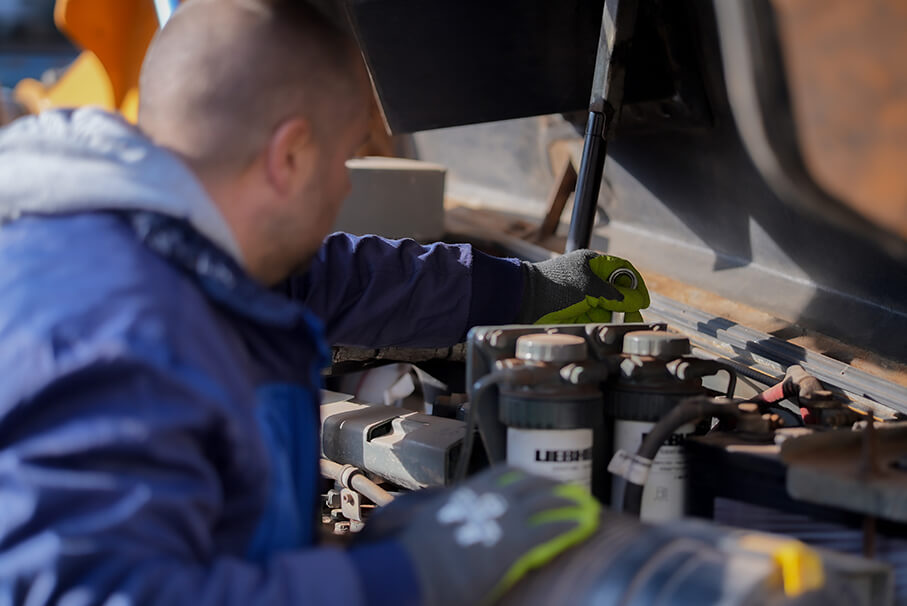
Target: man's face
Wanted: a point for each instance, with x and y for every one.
(333, 178)
(306, 214)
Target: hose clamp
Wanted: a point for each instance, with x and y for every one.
(347, 473)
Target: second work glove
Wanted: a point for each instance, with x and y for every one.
(553, 289)
(472, 543)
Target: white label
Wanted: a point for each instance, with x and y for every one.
(664, 495)
(564, 455)
(631, 467)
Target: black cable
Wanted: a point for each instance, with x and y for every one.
(731, 381)
(688, 411)
(475, 400)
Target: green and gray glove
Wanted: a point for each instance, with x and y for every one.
(472, 543)
(575, 288)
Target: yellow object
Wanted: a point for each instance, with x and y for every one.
(114, 35)
(84, 83)
(800, 567)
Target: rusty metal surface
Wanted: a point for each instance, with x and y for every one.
(506, 230)
(847, 78)
(765, 355)
(796, 335)
(860, 471)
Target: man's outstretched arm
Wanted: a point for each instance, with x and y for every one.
(376, 292)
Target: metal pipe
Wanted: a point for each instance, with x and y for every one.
(352, 477)
(588, 183)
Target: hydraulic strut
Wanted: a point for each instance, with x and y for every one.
(618, 20)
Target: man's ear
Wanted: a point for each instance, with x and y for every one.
(287, 155)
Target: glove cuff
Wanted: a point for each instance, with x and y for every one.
(386, 574)
(529, 310)
(492, 276)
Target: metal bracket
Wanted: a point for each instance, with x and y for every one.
(351, 505)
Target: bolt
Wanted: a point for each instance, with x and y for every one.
(628, 366)
(497, 339)
(605, 336)
(773, 420)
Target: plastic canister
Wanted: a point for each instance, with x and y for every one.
(645, 393)
(550, 425)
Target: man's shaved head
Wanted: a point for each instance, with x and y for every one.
(223, 74)
(265, 100)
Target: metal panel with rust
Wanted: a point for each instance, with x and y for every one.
(846, 66)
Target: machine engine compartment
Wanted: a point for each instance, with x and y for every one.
(580, 403)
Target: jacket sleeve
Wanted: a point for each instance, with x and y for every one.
(112, 483)
(375, 292)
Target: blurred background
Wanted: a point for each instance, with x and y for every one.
(30, 45)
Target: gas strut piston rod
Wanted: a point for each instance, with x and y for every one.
(618, 20)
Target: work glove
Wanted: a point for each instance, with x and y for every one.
(579, 277)
(472, 543)
(621, 274)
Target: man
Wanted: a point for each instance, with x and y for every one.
(159, 397)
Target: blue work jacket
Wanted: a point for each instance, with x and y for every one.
(159, 408)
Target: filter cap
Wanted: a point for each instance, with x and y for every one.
(656, 343)
(551, 347)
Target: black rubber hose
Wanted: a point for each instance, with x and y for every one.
(731, 381)
(478, 392)
(685, 369)
(688, 411)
